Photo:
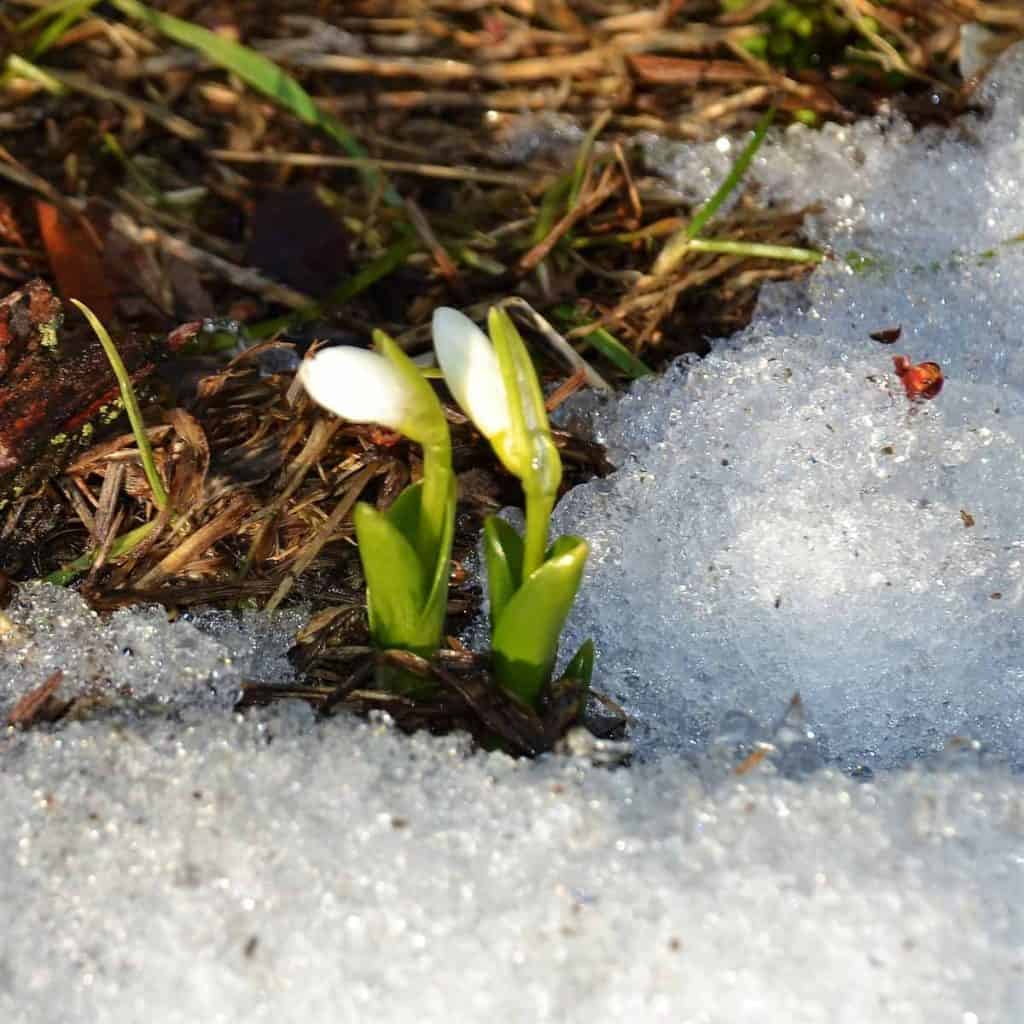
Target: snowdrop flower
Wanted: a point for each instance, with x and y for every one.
(366, 387)
(471, 371)
(531, 586)
(406, 549)
(496, 386)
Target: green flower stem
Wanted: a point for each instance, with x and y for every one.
(438, 491)
(538, 514)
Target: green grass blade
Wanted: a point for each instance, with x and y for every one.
(68, 15)
(678, 244)
(51, 10)
(759, 249)
(615, 352)
(607, 344)
(583, 157)
(131, 404)
(122, 546)
(551, 206)
(18, 67)
(262, 74)
(733, 178)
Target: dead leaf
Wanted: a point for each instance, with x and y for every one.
(39, 705)
(76, 260)
(921, 381)
(888, 335)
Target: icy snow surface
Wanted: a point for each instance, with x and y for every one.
(781, 522)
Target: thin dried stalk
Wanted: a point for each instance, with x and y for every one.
(353, 489)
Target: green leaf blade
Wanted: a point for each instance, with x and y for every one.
(503, 555)
(395, 587)
(525, 642)
(435, 609)
(581, 665)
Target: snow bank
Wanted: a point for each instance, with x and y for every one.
(784, 519)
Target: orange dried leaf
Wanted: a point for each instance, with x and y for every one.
(921, 381)
(751, 761)
(38, 705)
(76, 260)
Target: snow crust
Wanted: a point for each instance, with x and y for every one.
(782, 521)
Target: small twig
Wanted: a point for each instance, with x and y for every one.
(316, 444)
(199, 541)
(564, 390)
(426, 233)
(424, 170)
(588, 202)
(175, 124)
(243, 277)
(107, 504)
(33, 707)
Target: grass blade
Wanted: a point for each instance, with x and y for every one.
(607, 344)
(759, 249)
(131, 404)
(122, 546)
(262, 74)
(677, 245)
(64, 19)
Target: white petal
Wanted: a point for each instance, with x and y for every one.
(359, 385)
(471, 371)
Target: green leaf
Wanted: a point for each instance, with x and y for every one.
(429, 426)
(65, 15)
(581, 665)
(394, 582)
(503, 553)
(525, 641)
(400, 615)
(262, 74)
(404, 513)
(527, 448)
